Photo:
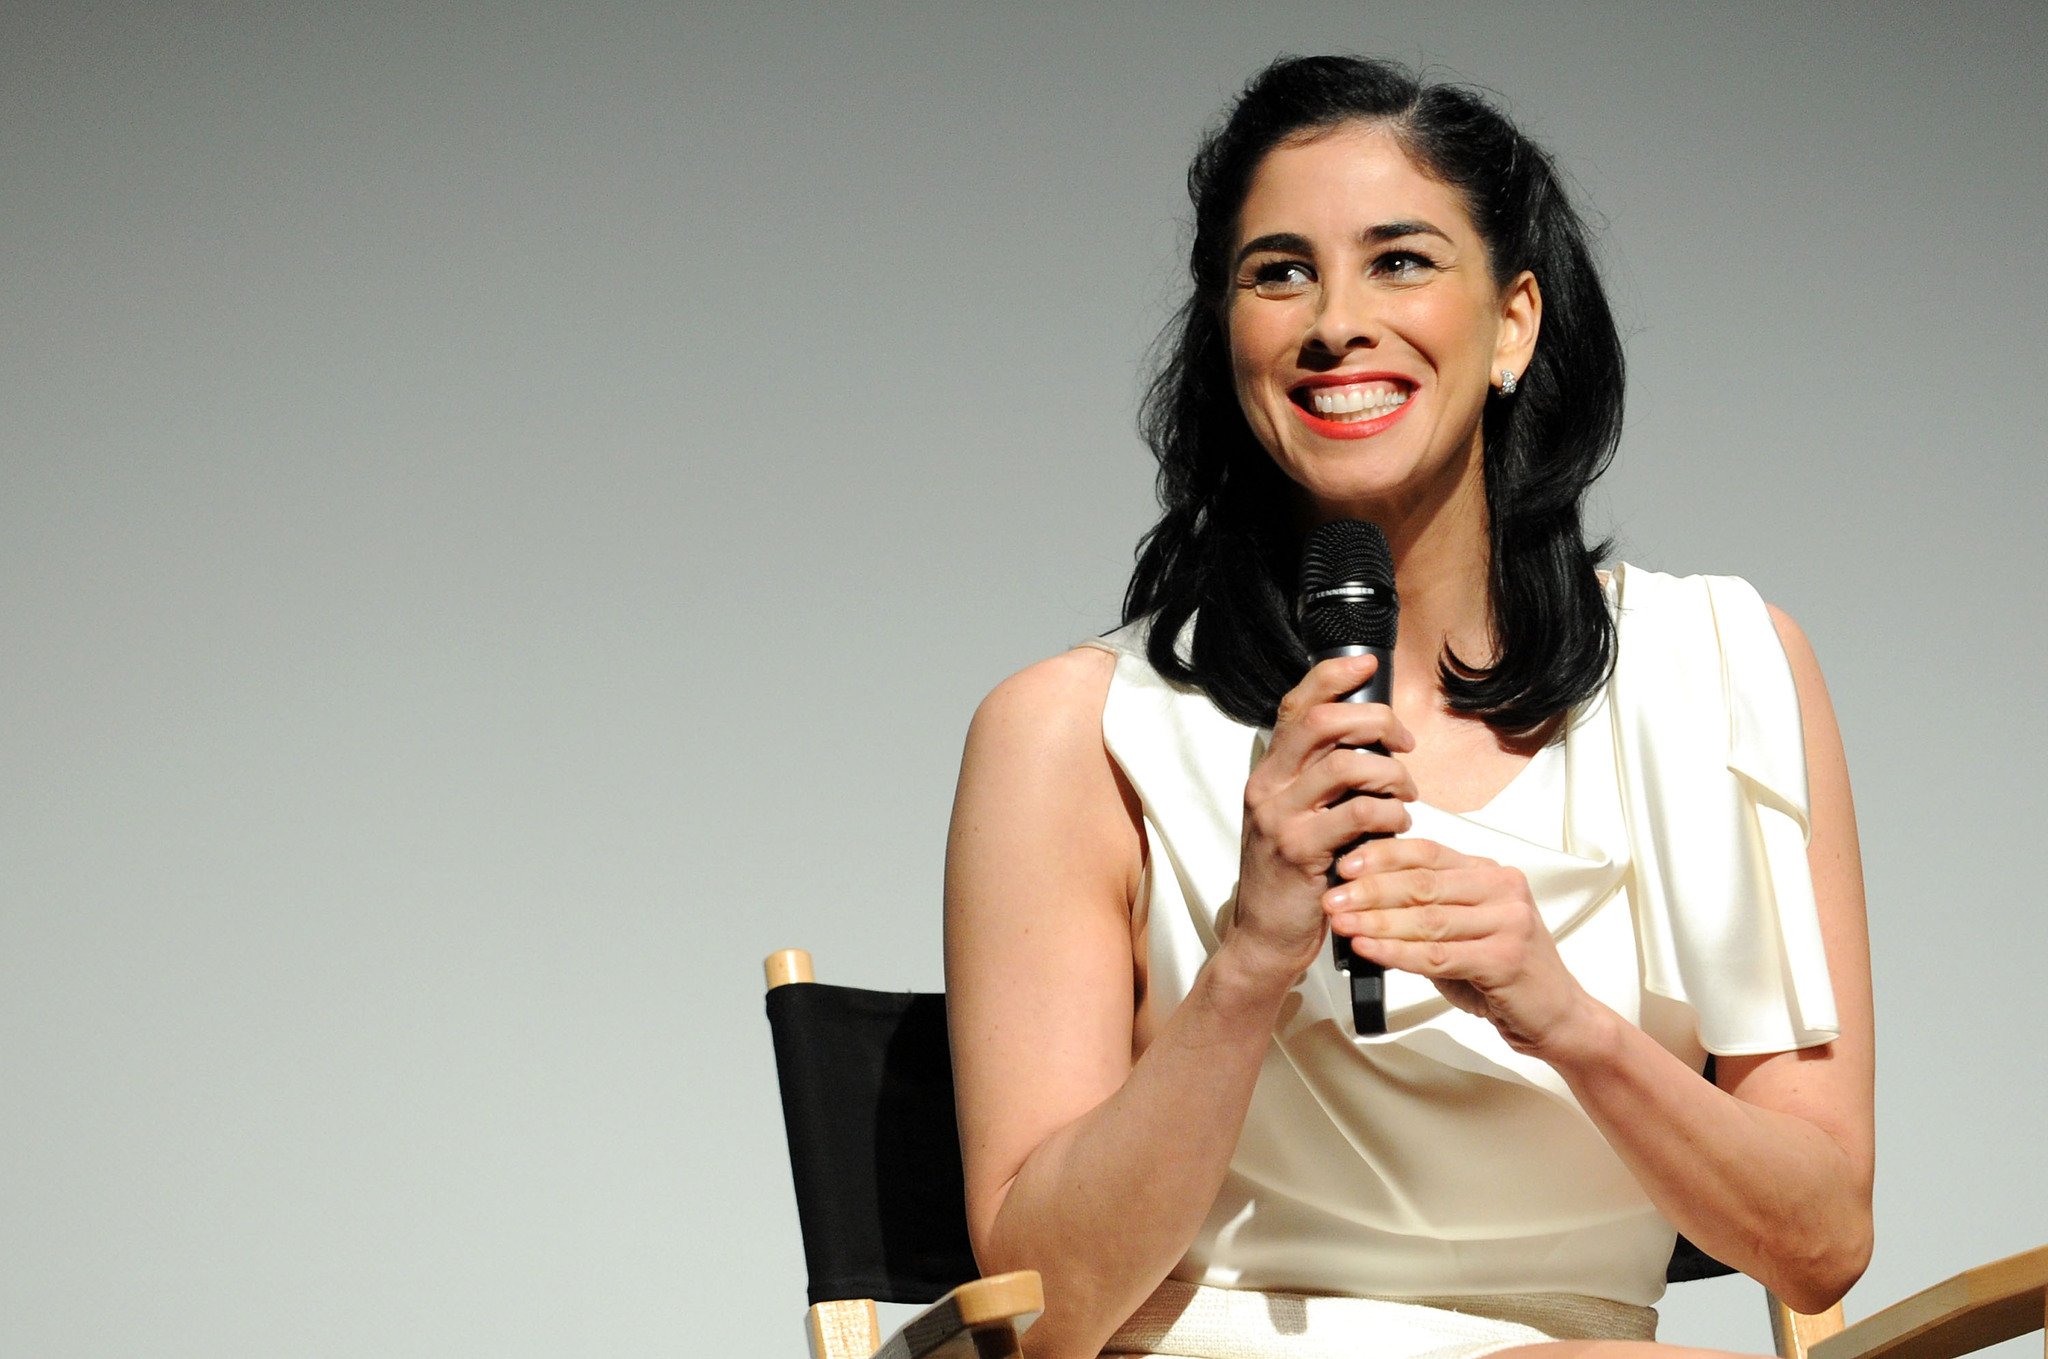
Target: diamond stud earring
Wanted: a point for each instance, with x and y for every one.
(1508, 382)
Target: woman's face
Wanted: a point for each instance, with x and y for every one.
(1365, 324)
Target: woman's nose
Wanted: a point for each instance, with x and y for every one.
(1344, 321)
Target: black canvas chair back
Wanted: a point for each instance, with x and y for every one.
(867, 1099)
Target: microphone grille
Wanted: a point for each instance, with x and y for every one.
(1347, 588)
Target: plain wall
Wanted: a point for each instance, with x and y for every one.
(506, 511)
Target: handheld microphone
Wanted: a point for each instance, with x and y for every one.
(1347, 607)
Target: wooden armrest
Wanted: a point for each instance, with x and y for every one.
(1978, 1307)
(1001, 1303)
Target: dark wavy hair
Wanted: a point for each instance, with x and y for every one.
(1224, 550)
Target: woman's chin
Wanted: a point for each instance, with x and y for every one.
(1398, 469)
(1337, 475)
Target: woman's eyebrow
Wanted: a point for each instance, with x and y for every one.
(1394, 231)
(1283, 242)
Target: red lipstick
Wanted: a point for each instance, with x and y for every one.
(1350, 429)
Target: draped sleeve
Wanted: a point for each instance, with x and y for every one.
(1710, 753)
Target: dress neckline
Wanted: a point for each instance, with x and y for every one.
(1520, 777)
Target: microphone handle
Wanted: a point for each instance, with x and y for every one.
(1368, 979)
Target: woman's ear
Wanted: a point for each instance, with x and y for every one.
(1521, 317)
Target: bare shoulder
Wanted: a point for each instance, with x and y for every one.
(1039, 734)
(1798, 649)
(1816, 709)
(1036, 778)
(1823, 739)
(1057, 700)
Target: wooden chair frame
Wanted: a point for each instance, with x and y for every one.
(983, 1318)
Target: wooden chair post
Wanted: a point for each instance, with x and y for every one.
(844, 1330)
(1796, 1333)
(788, 965)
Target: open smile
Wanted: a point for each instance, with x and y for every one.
(1351, 406)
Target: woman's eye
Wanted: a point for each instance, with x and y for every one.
(1402, 265)
(1281, 278)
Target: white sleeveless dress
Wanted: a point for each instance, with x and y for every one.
(1664, 841)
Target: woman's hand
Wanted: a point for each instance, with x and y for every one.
(1471, 926)
(1302, 807)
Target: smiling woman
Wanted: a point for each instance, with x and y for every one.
(1611, 823)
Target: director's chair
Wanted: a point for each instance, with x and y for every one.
(867, 1102)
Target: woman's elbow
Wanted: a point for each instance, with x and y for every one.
(1817, 1275)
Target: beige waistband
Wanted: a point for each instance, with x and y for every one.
(1561, 1316)
(1191, 1321)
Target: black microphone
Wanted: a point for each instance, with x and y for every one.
(1347, 607)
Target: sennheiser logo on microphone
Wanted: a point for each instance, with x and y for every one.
(1348, 590)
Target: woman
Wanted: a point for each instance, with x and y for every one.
(1596, 793)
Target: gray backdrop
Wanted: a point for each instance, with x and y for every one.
(506, 513)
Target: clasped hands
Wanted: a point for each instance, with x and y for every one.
(1467, 923)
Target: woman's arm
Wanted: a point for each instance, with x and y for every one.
(1776, 1180)
(1090, 1167)
(1772, 1171)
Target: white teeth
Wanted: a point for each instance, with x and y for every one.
(1367, 401)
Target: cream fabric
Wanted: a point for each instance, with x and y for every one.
(1663, 839)
(1190, 1322)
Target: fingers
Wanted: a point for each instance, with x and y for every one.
(1416, 896)
(1339, 824)
(1481, 944)
(1424, 886)
(1474, 960)
(1390, 856)
(1420, 903)
(1301, 801)
(1326, 682)
(1312, 720)
(1309, 837)
(1467, 923)
(1342, 773)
